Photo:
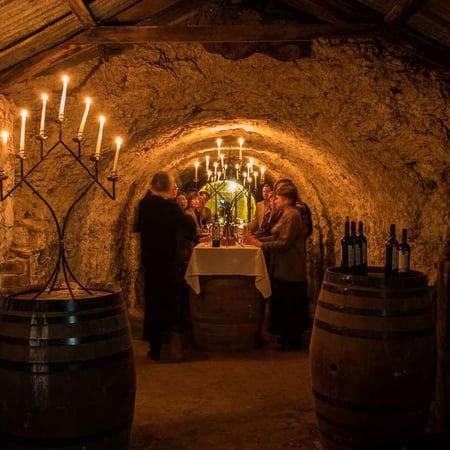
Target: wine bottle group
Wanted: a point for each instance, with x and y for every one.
(354, 249)
(398, 255)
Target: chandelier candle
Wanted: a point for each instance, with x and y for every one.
(241, 142)
(99, 138)
(65, 79)
(84, 118)
(42, 126)
(116, 156)
(5, 137)
(24, 115)
(219, 143)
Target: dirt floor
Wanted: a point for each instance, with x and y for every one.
(259, 399)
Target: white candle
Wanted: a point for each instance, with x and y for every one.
(65, 79)
(209, 175)
(84, 118)
(245, 177)
(255, 174)
(24, 114)
(219, 142)
(42, 126)
(237, 170)
(5, 136)
(116, 156)
(241, 143)
(251, 164)
(263, 171)
(207, 163)
(215, 167)
(196, 164)
(99, 138)
(248, 170)
(221, 160)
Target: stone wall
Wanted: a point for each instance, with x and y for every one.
(362, 130)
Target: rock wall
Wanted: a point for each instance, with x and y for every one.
(363, 131)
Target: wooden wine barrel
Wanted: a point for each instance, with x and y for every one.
(67, 378)
(228, 313)
(373, 359)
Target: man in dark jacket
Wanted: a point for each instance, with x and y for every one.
(160, 222)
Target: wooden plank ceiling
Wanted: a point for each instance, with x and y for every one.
(73, 27)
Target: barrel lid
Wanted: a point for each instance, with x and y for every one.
(376, 278)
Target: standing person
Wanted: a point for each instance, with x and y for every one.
(288, 315)
(160, 221)
(262, 209)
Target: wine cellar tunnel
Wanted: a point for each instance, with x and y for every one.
(363, 132)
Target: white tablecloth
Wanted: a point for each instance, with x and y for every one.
(233, 260)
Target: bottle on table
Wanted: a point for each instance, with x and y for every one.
(215, 233)
(347, 255)
(363, 249)
(391, 259)
(404, 255)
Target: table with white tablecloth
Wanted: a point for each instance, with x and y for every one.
(229, 285)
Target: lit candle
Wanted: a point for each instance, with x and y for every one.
(241, 143)
(116, 156)
(221, 160)
(249, 179)
(255, 174)
(99, 138)
(219, 142)
(196, 164)
(215, 167)
(5, 136)
(44, 104)
(245, 177)
(24, 114)
(237, 170)
(65, 79)
(207, 163)
(263, 171)
(225, 171)
(218, 176)
(84, 118)
(251, 164)
(209, 176)
(248, 170)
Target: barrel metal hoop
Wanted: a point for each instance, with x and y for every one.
(41, 368)
(373, 334)
(374, 312)
(370, 408)
(380, 293)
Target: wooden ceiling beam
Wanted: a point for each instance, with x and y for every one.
(402, 10)
(41, 62)
(82, 12)
(223, 33)
(142, 11)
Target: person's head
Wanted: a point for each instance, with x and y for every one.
(194, 200)
(286, 194)
(204, 195)
(163, 184)
(182, 200)
(266, 190)
(281, 182)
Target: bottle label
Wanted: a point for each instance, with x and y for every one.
(403, 259)
(394, 258)
(357, 252)
(351, 255)
(364, 253)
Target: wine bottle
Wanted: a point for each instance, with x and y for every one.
(404, 255)
(391, 260)
(346, 247)
(363, 249)
(354, 262)
(216, 233)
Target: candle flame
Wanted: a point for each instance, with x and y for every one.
(219, 142)
(44, 97)
(102, 120)
(24, 113)
(241, 142)
(87, 100)
(65, 79)
(5, 136)
(118, 141)
(196, 164)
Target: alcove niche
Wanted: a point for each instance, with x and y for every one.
(362, 133)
